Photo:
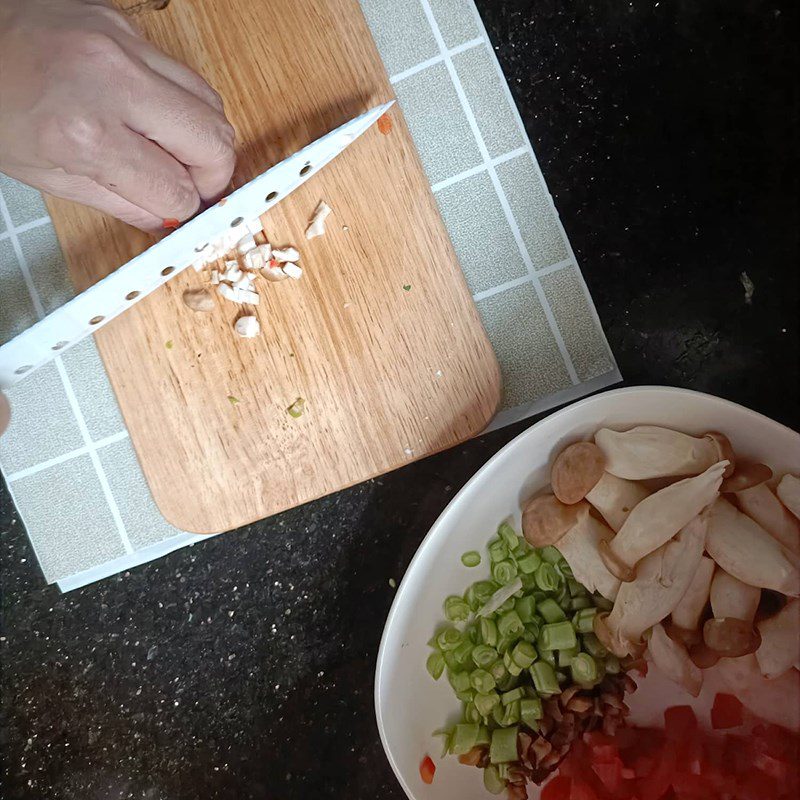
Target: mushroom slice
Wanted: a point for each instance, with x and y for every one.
(745, 550)
(659, 517)
(576, 471)
(776, 701)
(615, 498)
(732, 598)
(780, 641)
(731, 637)
(648, 451)
(661, 581)
(546, 519)
(198, 300)
(317, 225)
(760, 504)
(745, 476)
(789, 493)
(686, 615)
(673, 660)
(247, 327)
(580, 546)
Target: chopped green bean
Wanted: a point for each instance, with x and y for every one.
(510, 624)
(482, 681)
(484, 656)
(548, 656)
(504, 643)
(467, 696)
(551, 611)
(498, 551)
(508, 535)
(480, 593)
(559, 636)
(577, 603)
(550, 554)
(484, 738)
(450, 661)
(509, 682)
(601, 603)
(529, 563)
(593, 645)
(459, 681)
(544, 678)
(566, 655)
(583, 620)
(510, 714)
(566, 570)
(575, 588)
(488, 629)
(530, 711)
(498, 671)
(563, 598)
(528, 582)
(526, 608)
(464, 738)
(463, 653)
(511, 665)
(456, 608)
(435, 665)
(546, 578)
(448, 639)
(504, 571)
(471, 558)
(471, 713)
(486, 702)
(584, 669)
(514, 694)
(524, 654)
(492, 781)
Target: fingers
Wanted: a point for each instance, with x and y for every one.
(85, 191)
(134, 168)
(194, 132)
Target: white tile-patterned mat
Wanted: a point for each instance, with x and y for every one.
(67, 458)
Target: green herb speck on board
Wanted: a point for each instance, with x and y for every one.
(169, 344)
(407, 287)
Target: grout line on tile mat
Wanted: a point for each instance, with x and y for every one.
(432, 62)
(469, 173)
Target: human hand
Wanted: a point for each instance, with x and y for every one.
(92, 112)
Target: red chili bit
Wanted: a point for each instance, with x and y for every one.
(427, 769)
(385, 124)
(170, 224)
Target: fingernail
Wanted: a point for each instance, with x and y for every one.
(170, 224)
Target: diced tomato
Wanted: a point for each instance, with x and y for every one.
(427, 769)
(610, 774)
(557, 788)
(692, 787)
(679, 722)
(604, 753)
(774, 767)
(581, 790)
(643, 766)
(757, 787)
(727, 712)
(656, 784)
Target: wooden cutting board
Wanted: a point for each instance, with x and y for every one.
(389, 374)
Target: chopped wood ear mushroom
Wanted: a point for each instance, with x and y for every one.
(648, 451)
(745, 550)
(546, 519)
(661, 581)
(789, 493)
(658, 518)
(686, 615)
(730, 597)
(780, 641)
(673, 660)
(615, 498)
(576, 471)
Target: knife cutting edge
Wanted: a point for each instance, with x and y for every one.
(142, 275)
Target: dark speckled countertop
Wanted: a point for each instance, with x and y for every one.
(244, 668)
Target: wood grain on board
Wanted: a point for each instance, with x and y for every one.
(389, 374)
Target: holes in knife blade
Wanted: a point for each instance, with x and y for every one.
(96, 320)
(306, 169)
(201, 247)
(271, 196)
(167, 271)
(23, 370)
(59, 345)
(237, 221)
(131, 295)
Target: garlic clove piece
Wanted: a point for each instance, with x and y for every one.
(286, 254)
(317, 225)
(248, 327)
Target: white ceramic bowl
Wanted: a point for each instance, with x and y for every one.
(409, 705)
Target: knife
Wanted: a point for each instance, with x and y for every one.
(224, 222)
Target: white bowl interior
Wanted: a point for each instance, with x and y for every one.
(409, 704)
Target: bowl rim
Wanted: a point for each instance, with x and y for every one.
(516, 442)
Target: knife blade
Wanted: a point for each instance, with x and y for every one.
(113, 295)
